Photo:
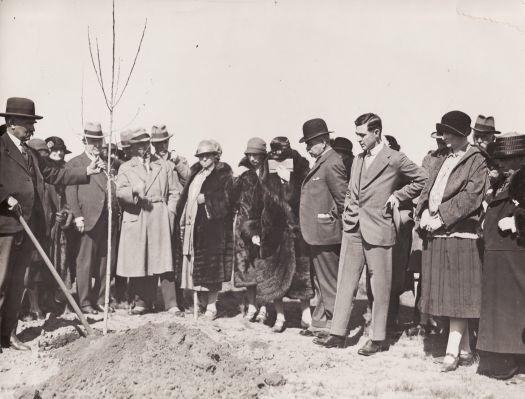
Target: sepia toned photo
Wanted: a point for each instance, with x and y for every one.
(262, 199)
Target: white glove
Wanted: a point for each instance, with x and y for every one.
(283, 173)
(79, 223)
(434, 223)
(201, 199)
(508, 223)
(256, 240)
(425, 218)
(391, 202)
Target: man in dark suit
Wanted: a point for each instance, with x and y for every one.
(376, 188)
(322, 201)
(88, 203)
(160, 140)
(22, 177)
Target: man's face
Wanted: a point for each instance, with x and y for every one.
(141, 149)
(454, 141)
(367, 139)
(316, 146)
(94, 146)
(23, 128)
(206, 160)
(256, 160)
(161, 148)
(483, 139)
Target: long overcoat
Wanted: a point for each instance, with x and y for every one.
(148, 223)
(213, 229)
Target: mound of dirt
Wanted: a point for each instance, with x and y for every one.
(155, 360)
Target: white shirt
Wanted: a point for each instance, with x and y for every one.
(371, 154)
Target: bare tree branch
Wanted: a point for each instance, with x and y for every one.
(134, 62)
(93, 61)
(120, 128)
(118, 79)
(110, 106)
(113, 63)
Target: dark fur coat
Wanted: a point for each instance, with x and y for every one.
(213, 235)
(269, 207)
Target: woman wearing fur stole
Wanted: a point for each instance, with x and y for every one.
(501, 338)
(270, 221)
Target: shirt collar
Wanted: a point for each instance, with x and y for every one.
(324, 152)
(16, 141)
(459, 153)
(374, 151)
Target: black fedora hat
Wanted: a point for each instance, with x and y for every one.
(485, 125)
(455, 122)
(508, 145)
(21, 107)
(314, 128)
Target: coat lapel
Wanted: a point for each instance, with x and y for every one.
(317, 164)
(154, 172)
(14, 153)
(381, 160)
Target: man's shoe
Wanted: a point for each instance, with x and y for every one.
(371, 348)
(332, 341)
(467, 359)
(137, 311)
(18, 345)
(89, 310)
(175, 311)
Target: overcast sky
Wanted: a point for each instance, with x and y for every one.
(231, 70)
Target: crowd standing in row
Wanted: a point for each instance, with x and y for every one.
(277, 228)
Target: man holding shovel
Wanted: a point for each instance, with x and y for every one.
(22, 177)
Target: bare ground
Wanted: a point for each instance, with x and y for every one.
(158, 355)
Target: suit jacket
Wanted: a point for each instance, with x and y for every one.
(88, 200)
(323, 193)
(461, 207)
(391, 172)
(16, 181)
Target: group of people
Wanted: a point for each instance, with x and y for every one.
(277, 228)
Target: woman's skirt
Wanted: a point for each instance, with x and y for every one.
(502, 321)
(187, 278)
(451, 278)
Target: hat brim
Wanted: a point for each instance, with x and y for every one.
(92, 136)
(306, 140)
(442, 127)
(197, 154)
(486, 131)
(138, 141)
(21, 115)
(170, 135)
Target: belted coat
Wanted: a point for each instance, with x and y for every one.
(145, 246)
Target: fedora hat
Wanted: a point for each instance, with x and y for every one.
(139, 136)
(455, 122)
(314, 128)
(93, 130)
(55, 143)
(485, 125)
(159, 133)
(21, 107)
(124, 138)
(508, 145)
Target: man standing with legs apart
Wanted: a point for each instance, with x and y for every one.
(22, 177)
(375, 190)
(88, 204)
(321, 206)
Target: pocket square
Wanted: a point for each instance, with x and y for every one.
(315, 178)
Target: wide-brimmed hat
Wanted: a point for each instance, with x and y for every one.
(314, 128)
(93, 130)
(159, 133)
(207, 147)
(139, 135)
(256, 145)
(20, 107)
(55, 143)
(38, 145)
(508, 145)
(485, 125)
(124, 138)
(342, 144)
(455, 122)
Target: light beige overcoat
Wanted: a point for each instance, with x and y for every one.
(145, 246)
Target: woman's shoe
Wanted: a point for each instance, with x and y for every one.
(261, 317)
(210, 315)
(250, 315)
(305, 325)
(451, 364)
(467, 359)
(279, 326)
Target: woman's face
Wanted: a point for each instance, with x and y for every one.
(454, 141)
(256, 160)
(57, 155)
(207, 160)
